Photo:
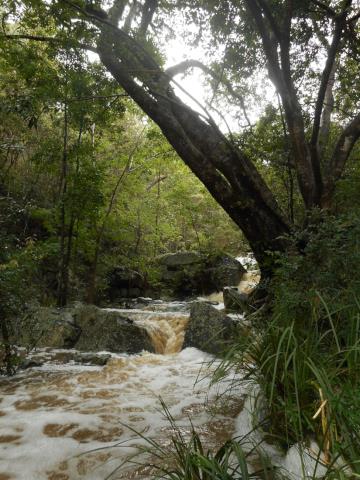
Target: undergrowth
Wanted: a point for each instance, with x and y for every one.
(306, 355)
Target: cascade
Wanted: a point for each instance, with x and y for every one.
(65, 421)
(165, 328)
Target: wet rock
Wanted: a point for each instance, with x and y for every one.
(144, 300)
(110, 330)
(92, 358)
(84, 327)
(235, 301)
(47, 327)
(124, 282)
(224, 270)
(30, 363)
(180, 259)
(210, 329)
(192, 273)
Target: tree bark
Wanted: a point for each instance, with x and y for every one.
(62, 275)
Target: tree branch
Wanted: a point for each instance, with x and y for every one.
(148, 11)
(269, 16)
(325, 7)
(328, 107)
(342, 151)
(186, 64)
(44, 38)
(270, 44)
(326, 76)
(115, 13)
(130, 17)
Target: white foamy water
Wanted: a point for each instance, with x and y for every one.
(248, 282)
(54, 417)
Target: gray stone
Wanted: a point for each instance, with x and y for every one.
(84, 327)
(110, 330)
(92, 358)
(30, 363)
(124, 282)
(191, 273)
(210, 329)
(46, 326)
(144, 300)
(224, 270)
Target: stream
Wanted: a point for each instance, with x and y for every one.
(66, 421)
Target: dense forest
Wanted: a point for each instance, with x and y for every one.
(114, 159)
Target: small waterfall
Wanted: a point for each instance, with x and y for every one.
(167, 331)
(165, 328)
(248, 282)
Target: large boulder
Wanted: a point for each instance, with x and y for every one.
(211, 329)
(223, 270)
(110, 330)
(45, 326)
(191, 273)
(84, 327)
(180, 259)
(125, 283)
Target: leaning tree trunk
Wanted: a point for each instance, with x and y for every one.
(226, 172)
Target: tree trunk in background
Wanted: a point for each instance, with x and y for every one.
(62, 292)
(7, 358)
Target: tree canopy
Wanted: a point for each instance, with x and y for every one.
(308, 50)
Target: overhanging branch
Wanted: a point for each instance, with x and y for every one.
(340, 23)
(325, 8)
(44, 38)
(182, 67)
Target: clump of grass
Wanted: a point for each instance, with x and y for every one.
(185, 457)
(305, 354)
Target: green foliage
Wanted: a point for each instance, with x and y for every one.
(125, 197)
(305, 352)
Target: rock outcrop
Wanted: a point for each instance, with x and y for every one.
(191, 273)
(235, 301)
(211, 329)
(84, 327)
(125, 283)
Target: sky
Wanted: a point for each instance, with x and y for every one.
(194, 83)
(176, 51)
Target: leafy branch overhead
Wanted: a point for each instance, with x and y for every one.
(308, 51)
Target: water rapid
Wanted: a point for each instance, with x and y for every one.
(64, 421)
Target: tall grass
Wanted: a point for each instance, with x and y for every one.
(310, 377)
(305, 354)
(185, 457)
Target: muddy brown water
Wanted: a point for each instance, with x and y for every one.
(64, 421)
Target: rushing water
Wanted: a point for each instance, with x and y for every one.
(55, 418)
(63, 421)
(166, 329)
